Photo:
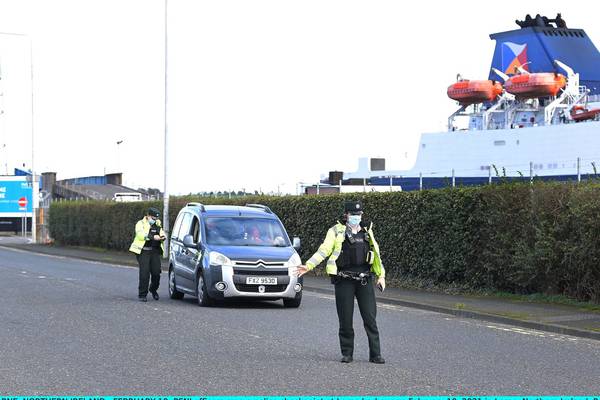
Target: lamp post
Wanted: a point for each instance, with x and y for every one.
(166, 188)
(34, 183)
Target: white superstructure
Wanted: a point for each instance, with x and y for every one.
(510, 137)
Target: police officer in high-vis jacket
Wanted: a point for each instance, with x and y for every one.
(354, 266)
(148, 245)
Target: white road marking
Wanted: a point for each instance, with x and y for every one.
(532, 332)
(320, 296)
(68, 258)
(390, 307)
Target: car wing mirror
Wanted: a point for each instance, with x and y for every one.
(188, 241)
(296, 243)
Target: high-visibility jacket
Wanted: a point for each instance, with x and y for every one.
(332, 248)
(142, 229)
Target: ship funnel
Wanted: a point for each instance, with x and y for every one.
(538, 43)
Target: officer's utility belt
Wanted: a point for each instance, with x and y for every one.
(363, 277)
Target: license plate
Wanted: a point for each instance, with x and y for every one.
(261, 280)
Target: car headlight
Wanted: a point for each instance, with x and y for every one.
(294, 261)
(217, 258)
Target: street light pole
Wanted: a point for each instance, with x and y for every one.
(166, 188)
(35, 185)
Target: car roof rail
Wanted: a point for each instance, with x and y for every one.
(193, 204)
(261, 206)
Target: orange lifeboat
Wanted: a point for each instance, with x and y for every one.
(580, 113)
(540, 84)
(472, 92)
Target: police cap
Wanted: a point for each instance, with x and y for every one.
(153, 212)
(353, 207)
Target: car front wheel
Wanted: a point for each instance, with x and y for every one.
(204, 300)
(293, 303)
(173, 292)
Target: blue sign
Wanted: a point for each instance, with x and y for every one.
(13, 190)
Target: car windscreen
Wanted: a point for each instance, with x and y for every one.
(245, 231)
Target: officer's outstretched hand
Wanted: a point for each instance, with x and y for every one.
(381, 283)
(301, 270)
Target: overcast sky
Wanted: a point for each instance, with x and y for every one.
(261, 93)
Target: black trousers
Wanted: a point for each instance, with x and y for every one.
(149, 262)
(345, 292)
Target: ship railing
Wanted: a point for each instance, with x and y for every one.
(575, 169)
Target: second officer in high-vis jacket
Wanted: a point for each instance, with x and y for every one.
(354, 266)
(148, 246)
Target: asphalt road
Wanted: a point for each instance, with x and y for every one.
(70, 327)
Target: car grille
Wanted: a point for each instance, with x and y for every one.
(254, 288)
(259, 271)
(259, 263)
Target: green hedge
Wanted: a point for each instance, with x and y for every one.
(520, 238)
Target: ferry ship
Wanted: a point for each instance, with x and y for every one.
(537, 116)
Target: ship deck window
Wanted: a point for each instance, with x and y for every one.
(499, 142)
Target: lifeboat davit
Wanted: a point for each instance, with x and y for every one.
(540, 84)
(580, 113)
(472, 92)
